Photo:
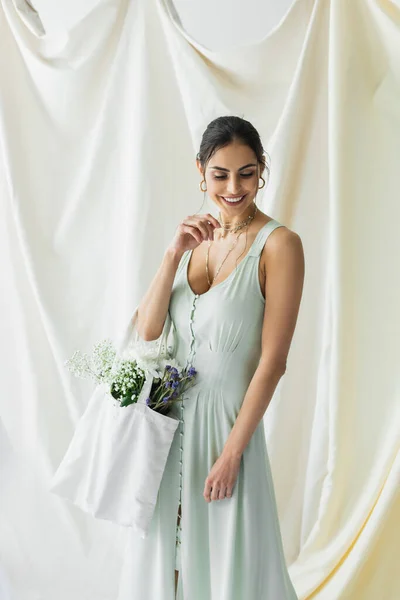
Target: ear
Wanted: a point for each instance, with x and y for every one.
(199, 167)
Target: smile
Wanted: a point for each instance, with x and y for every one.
(236, 200)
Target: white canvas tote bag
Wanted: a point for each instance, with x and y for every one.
(115, 461)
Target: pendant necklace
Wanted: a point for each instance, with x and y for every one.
(241, 226)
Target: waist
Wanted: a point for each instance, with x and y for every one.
(222, 369)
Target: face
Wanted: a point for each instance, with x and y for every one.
(232, 173)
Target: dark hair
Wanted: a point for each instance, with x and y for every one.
(224, 130)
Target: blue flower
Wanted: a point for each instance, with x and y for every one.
(147, 401)
(192, 372)
(174, 384)
(166, 398)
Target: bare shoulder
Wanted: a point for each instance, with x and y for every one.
(282, 245)
(282, 237)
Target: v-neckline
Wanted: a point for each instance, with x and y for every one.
(230, 274)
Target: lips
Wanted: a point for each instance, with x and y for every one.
(233, 201)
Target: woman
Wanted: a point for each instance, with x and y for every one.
(234, 301)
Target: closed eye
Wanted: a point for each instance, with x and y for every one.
(224, 176)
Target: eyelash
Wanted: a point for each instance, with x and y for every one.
(243, 175)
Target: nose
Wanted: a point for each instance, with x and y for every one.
(234, 185)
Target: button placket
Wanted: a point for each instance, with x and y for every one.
(189, 363)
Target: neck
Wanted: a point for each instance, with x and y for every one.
(233, 222)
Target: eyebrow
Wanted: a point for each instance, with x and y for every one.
(241, 168)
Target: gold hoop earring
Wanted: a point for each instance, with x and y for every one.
(260, 187)
(201, 188)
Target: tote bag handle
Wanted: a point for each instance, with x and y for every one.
(163, 347)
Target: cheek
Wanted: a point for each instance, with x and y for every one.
(215, 187)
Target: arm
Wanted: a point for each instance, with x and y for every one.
(153, 309)
(284, 263)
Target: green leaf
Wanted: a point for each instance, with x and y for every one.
(126, 401)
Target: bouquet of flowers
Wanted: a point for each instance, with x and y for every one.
(124, 376)
(116, 459)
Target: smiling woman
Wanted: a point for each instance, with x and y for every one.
(216, 520)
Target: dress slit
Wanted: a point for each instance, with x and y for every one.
(178, 540)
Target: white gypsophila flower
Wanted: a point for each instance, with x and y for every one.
(103, 356)
(96, 366)
(78, 364)
(128, 378)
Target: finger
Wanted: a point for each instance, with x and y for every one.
(192, 231)
(222, 493)
(214, 493)
(228, 492)
(201, 226)
(210, 228)
(207, 491)
(213, 220)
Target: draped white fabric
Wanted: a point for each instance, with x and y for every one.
(99, 129)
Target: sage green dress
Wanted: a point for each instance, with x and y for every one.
(228, 549)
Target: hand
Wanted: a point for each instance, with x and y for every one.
(193, 230)
(222, 478)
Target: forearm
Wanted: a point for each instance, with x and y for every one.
(255, 403)
(153, 308)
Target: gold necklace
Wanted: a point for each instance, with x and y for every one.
(219, 268)
(237, 227)
(240, 225)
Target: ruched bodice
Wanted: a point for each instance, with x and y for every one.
(225, 323)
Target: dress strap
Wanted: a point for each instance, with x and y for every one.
(262, 236)
(182, 263)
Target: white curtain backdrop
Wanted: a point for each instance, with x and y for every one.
(100, 122)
